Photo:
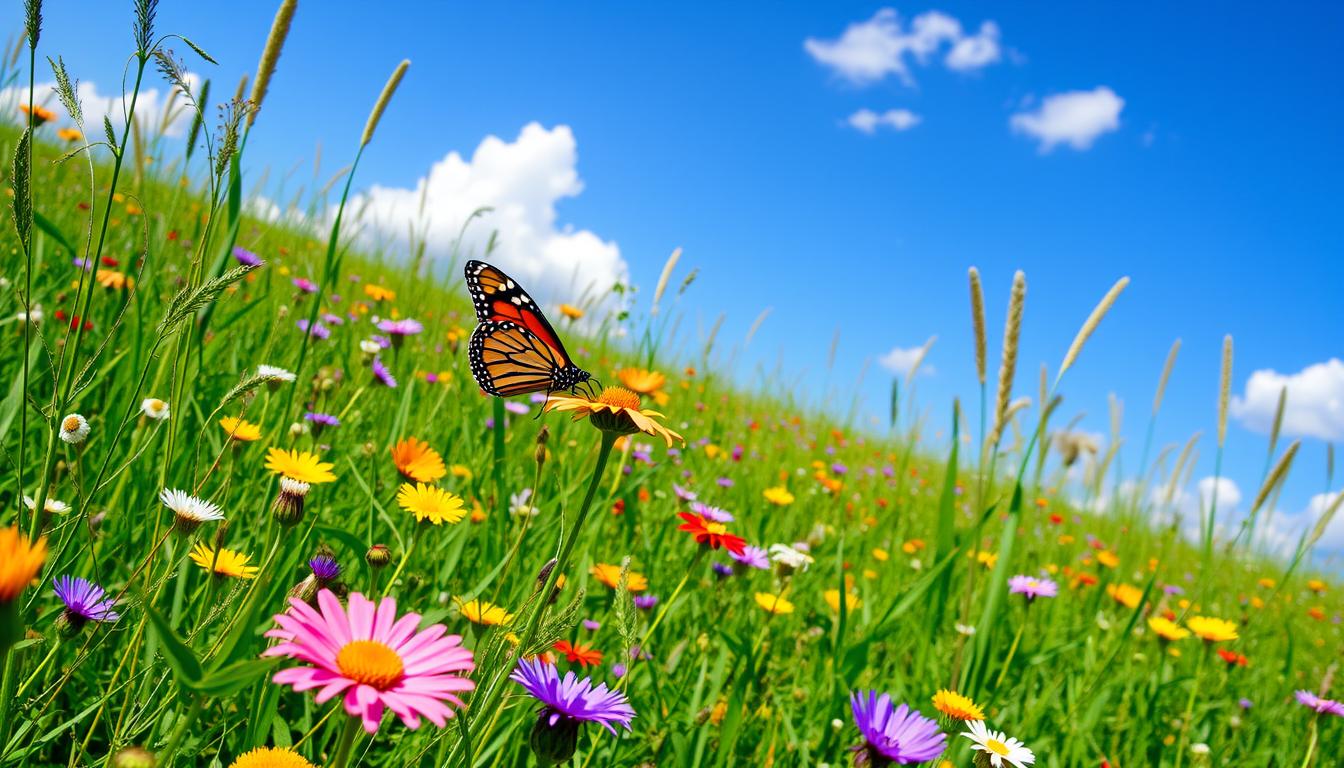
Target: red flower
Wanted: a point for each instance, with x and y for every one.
(580, 654)
(618, 507)
(108, 261)
(711, 534)
(74, 321)
(1056, 518)
(1233, 659)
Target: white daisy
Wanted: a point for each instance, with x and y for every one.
(189, 510)
(274, 373)
(521, 503)
(52, 506)
(74, 428)
(154, 408)
(998, 746)
(34, 313)
(789, 557)
(370, 347)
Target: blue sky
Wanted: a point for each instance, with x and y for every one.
(1196, 150)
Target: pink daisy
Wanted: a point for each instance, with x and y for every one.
(377, 660)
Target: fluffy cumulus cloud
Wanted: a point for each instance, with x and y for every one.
(1075, 118)
(867, 121)
(521, 182)
(902, 360)
(1314, 405)
(869, 51)
(160, 108)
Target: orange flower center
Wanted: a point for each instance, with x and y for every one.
(998, 746)
(619, 397)
(716, 528)
(70, 424)
(369, 662)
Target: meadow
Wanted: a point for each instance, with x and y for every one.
(256, 511)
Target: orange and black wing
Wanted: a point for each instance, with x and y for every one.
(499, 298)
(508, 360)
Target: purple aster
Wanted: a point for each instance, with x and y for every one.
(514, 407)
(725, 482)
(618, 669)
(317, 331)
(1172, 589)
(323, 419)
(246, 257)
(893, 735)
(537, 398)
(1312, 701)
(839, 468)
(1245, 703)
(331, 319)
(645, 602)
(591, 626)
(1032, 587)
(569, 700)
(325, 569)
(400, 328)
(382, 374)
(752, 557)
(722, 570)
(84, 601)
(304, 285)
(685, 494)
(711, 513)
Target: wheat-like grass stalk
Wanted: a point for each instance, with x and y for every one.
(1323, 522)
(1012, 329)
(756, 325)
(270, 56)
(1224, 389)
(383, 99)
(664, 278)
(1166, 376)
(919, 360)
(978, 322)
(1276, 475)
(1278, 419)
(1090, 325)
(242, 87)
(1181, 458)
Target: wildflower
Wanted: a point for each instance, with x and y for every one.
(646, 383)
(382, 374)
(74, 429)
(325, 569)
(1316, 585)
(274, 374)
(1232, 658)
(615, 411)
(997, 746)
(321, 421)
(1167, 630)
(778, 495)
(789, 559)
(303, 466)
(223, 562)
(379, 293)
(610, 575)
(84, 602)
(370, 346)
(1108, 558)
(578, 653)
(189, 511)
(956, 706)
(893, 734)
(832, 598)
(417, 461)
(645, 602)
(752, 557)
(1032, 587)
(518, 409)
(482, 612)
(1318, 704)
(712, 513)
(521, 503)
(430, 503)
(684, 494)
(398, 330)
(774, 604)
(71, 135)
(154, 408)
(113, 280)
(566, 704)
(304, 285)
(375, 659)
(20, 560)
(50, 506)
(1125, 594)
(572, 312)
(1212, 630)
(378, 556)
(317, 330)
(39, 115)
(287, 509)
(271, 757)
(711, 534)
(240, 430)
(246, 257)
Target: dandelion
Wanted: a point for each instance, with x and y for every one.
(1032, 587)
(240, 430)
(778, 495)
(189, 511)
(615, 411)
(610, 575)
(566, 704)
(271, 757)
(956, 706)
(287, 509)
(84, 602)
(223, 562)
(482, 612)
(74, 429)
(416, 460)
(773, 604)
(892, 734)
(997, 747)
(1108, 558)
(1212, 630)
(710, 534)
(431, 503)
(578, 653)
(378, 661)
(304, 466)
(382, 374)
(154, 409)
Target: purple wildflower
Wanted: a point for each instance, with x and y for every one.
(1245, 703)
(304, 285)
(618, 669)
(398, 330)
(1032, 587)
(84, 601)
(645, 602)
(722, 570)
(321, 420)
(570, 700)
(725, 482)
(893, 735)
(325, 569)
(712, 513)
(515, 407)
(317, 331)
(1320, 705)
(685, 494)
(839, 469)
(591, 626)
(246, 257)
(752, 557)
(382, 374)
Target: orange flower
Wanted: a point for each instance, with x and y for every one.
(417, 461)
(40, 114)
(1233, 658)
(647, 383)
(378, 292)
(711, 534)
(578, 653)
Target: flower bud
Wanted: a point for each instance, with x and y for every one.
(378, 556)
(554, 738)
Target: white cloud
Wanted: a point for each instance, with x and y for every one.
(901, 360)
(1075, 118)
(869, 51)
(521, 181)
(1315, 406)
(1229, 494)
(868, 121)
(149, 106)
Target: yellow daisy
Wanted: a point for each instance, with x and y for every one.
(571, 311)
(1166, 629)
(1212, 630)
(240, 430)
(224, 562)
(483, 612)
(271, 757)
(611, 576)
(20, 560)
(378, 292)
(430, 503)
(832, 597)
(617, 411)
(775, 604)
(1108, 558)
(1125, 594)
(778, 495)
(302, 466)
(956, 706)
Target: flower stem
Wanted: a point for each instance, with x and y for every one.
(341, 757)
(1012, 650)
(1311, 741)
(180, 730)
(1190, 706)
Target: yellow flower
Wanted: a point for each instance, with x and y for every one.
(1266, 583)
(611, 576)
(1316, 585)
(1212, 630)
(1167, 629)
(302, 466)
(773, 603)
(482, 612)
(224, 562)
(20, 560)
(1108, 558)
(240, 430)
(112, 279)
(417, 461)
(427, 502)
(461, 472)
(617, 411)
(648, 383)
(832, 597)
(271, 757)
(69, 134)
(880, 555)
(1125, 594)
(378, 292)
(571, 311)
(987, 559)
(956, 706)
(778, 495)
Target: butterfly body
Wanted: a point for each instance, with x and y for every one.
(514, 350)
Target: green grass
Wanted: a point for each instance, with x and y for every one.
(899, 520)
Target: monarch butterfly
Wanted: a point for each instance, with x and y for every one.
(514, 350)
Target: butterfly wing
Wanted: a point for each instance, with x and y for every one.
(498, 298)
(507, 360)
